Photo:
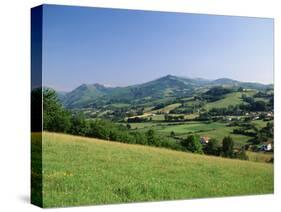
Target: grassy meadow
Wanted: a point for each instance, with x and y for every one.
(214, 129)
(83, 171)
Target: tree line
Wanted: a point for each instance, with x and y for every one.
(58, 119)
(192, 143)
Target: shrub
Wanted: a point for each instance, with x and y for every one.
(227, 147)
(151, 138)
(192, 143)
(212, 147)
(242, 154)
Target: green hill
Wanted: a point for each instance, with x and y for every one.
(93, 95)
(81, 171)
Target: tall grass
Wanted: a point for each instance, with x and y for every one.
(83, 171)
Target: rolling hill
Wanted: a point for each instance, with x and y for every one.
(91, 95)
(81, 171)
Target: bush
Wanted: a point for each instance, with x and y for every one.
(227, 147)
(192, 143)
(151, 138)
(78, 125)
(242, 154)
(212, 147)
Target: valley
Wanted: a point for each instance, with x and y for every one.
(176, 107)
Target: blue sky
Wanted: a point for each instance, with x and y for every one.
(124, 47)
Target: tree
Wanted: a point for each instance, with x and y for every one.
(98, 129)
(212, 147)
(240, 89)
(258, 106)
(55, 117)
(36, 110)
(128, 126)
(242, 155)
(151, 138)
(78, 125)
(192, 143)
(140, 138)
(227, 147)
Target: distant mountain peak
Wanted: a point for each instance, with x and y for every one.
(169, 76)
(98, 85)
(167, 86)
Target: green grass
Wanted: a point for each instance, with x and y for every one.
(261, 99)
(83, 171)
(120, 105)
(229, 99)
(217, 130)
(159, 117)
(260, 123)
(143, 125)
(170, 107)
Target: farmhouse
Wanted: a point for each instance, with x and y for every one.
(204, 139)
(266, 147)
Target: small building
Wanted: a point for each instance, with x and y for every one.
(204, 139)
(269, 114)
(266, 147)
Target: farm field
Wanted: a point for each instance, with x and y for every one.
(83, 171)
(216, 130)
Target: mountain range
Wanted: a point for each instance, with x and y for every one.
(169, 86)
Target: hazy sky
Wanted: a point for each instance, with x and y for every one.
(124, 47)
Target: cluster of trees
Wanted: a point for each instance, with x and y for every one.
(216, 93)
(137, 119)
(58, 119)
(245, 128)
(181, 110)
(159, 106)
(254, 105)
(249, 129)
(173, 118)
(230, 110)
(192, 143)
(264, 134)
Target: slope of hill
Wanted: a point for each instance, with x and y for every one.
(81, 171)
(167, 86)
(229, 99)
(84, 94)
